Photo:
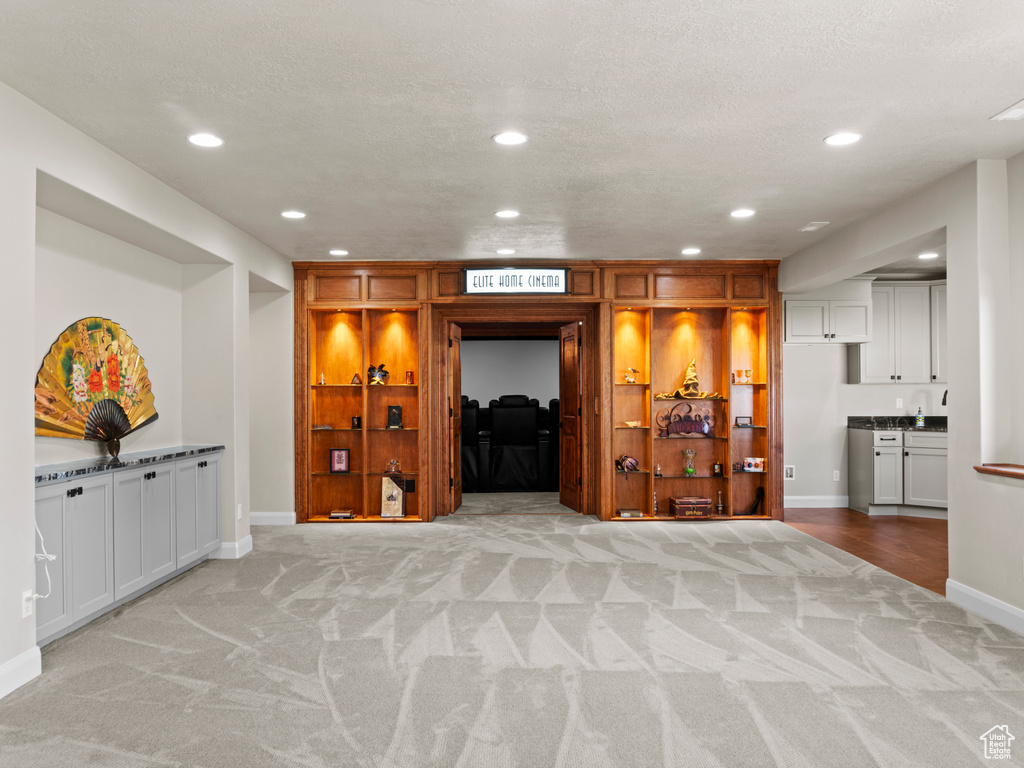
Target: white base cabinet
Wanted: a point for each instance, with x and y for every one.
(897, 472)
(117, 533)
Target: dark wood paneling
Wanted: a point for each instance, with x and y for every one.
(328, 288)
(449, 283)
(582, 283)
(748, 287)
(391, 287)
(630, 286)
(689, 286)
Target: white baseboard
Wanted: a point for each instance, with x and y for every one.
(233, 550)
(19, 670)
(271, 518)
(806, 502)
(986, 606)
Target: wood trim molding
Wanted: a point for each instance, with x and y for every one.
(1016, 471)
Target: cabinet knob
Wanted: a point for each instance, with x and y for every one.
(833, 336)
(906, 453)
(826, 335)
(899, 378)
(878, 453)
(893, 377)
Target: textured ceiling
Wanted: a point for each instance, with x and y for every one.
(649, 120)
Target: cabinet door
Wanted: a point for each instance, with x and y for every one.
(938, 301)
(53, 612)
(913, 332)
(158, 522)
(186, 532)
(807, 322)
(208, 505)
(129, 536)
(878, 357)
(925, 477)
(91, 527)
(888, 476)
(849, 321)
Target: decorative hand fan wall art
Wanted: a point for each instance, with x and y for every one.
(93, 385)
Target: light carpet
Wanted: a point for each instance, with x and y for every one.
(486, 642)
(512, 503)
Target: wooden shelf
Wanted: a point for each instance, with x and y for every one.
(632, 384)
(390, 386)
(633, 472)
(334, 429)
(392, 429)
(334, 474)
(635, 429)
(336, 386)
(690, 477)
(749, 384)
(691, 399)
(394, 474)
(748, 426)
(702, 439)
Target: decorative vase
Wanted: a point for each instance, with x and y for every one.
(690, 470)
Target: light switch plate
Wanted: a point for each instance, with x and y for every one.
(899, 402)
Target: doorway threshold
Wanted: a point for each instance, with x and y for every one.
(521, 503)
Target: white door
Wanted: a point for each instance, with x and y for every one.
(913, 329)
(807, 322)
(878, 357)
(888, 476)
(158, 509)
(938, 297)
(849, 321)
(925, 477)
(91, 527)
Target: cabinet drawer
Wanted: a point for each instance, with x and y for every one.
(887, 438)
(926, 440)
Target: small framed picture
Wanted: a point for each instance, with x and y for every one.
(339, 460)
(744, 421)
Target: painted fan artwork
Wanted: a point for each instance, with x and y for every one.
(93, 385)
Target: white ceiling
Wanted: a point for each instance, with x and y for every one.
(649, 120)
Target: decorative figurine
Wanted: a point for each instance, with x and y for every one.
(357, 422)
(691, 388)
(690, 470)
(392, 467)
(377, 375)
(631, 375)
(356, 380)
(409, 378)
(657, 470)
(633, 424)
(720, 507)
(394, 417)
(322, 380)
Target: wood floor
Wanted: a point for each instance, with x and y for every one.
(912, 548)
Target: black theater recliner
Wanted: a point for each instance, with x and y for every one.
(519, 457)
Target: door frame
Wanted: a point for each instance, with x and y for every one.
(498, 312)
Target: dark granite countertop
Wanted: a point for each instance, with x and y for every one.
(896, 423)
(53, 473)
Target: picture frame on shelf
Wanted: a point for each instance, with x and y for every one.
(340, 461)
(394, 417)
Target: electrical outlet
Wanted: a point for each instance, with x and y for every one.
(238, 514)
(27, 602)
(835, 476)
(790, 472)
(899, 402)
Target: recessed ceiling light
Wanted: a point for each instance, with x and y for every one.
(742, 213)
(205, 140)
(506, 251)
(338, 252)
(842, 139)
(510, 138)
(507, 214)
(814, 226)
(691, 251)
(1016, 112)
(293, 214)
(928, 256)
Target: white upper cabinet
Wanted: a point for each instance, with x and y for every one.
(900, 350)
(938, 295)
(828, 321)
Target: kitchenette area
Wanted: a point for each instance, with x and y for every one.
(898, 467)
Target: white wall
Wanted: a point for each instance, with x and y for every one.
(272, 436)
(816, 401)
(45, 162)
(84, 273)
(510, 367)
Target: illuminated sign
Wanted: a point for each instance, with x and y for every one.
(516, 280)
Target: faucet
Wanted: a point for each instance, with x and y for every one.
(944, 396)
